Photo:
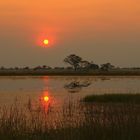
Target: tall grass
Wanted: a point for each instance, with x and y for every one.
(74, 121)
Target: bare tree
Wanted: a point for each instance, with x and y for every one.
(73, 60)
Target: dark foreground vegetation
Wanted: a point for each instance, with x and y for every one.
(74, 121)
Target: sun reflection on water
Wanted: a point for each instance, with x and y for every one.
(45, 100)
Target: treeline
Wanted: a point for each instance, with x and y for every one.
(75, 63)
(78, 63)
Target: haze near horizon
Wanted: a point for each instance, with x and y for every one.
(97, 30)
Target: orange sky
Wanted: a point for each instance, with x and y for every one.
(100, 26)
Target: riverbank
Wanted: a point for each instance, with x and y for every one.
(63, 72)
(113, 98)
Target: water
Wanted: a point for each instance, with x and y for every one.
(59, 89)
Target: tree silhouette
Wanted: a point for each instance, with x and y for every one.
(107, 66)
(73, 60)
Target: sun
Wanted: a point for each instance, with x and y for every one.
(46, 41)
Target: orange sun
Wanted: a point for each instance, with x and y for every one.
(46, 42)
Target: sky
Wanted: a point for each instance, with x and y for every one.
(97, 30)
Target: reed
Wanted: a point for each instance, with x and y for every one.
(74, 121)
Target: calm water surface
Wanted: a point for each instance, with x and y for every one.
(60, 89)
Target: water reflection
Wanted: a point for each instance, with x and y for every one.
(43, 103)
(76, 86)
(45, 100)
(57, 88)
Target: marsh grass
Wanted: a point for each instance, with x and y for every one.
(74, 121)
(113, 98)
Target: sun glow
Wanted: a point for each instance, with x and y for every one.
(46, 42)
(46, 98)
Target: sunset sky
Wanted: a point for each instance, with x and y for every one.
(97, 30)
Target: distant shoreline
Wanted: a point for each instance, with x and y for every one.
(31, 72)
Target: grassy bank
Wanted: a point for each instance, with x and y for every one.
(74, 121)
(113, 98)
